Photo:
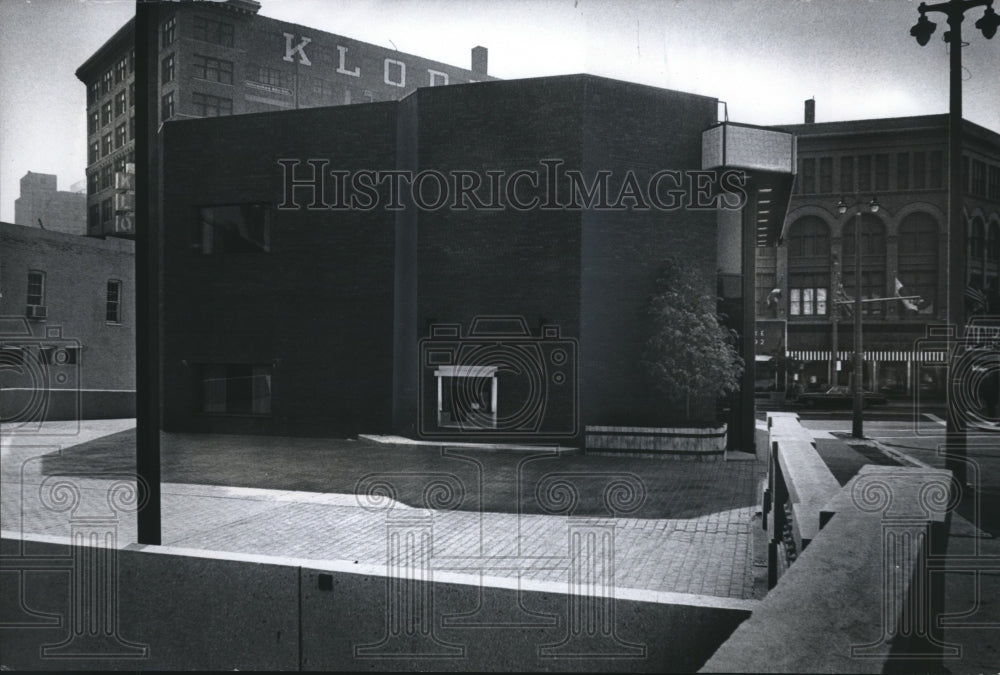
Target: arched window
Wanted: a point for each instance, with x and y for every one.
(993, 243)
(977, 241)
(808, 267)
(918, 258)
(872, 262)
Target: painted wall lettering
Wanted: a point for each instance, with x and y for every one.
(401, 80)
(342, 68)
(290, 50)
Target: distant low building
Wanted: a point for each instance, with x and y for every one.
(42, 205)
(67, 329)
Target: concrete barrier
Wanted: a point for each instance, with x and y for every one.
(17, 403)
(180, 609)
(860, 598)
(697, 443)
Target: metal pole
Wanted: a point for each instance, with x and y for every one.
(857, 426)
(147, 299)
(955, 441)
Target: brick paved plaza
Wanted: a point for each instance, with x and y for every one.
(674, 526)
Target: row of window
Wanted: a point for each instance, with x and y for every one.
(111, 110)
(880, 172)
(113, 296)
(109, 143)
(203, 105)
(113, 76)
(981, 179)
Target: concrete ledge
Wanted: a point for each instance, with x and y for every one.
(856, 600)
(183, 609)
(677, 442)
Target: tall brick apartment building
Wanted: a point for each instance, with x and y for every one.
(288, 307)
(222, 58)
(902, 162)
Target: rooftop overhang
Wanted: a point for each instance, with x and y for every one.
(768, 158)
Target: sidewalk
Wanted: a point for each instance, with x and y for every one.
(676, 526)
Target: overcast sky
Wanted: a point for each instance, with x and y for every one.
(763, 57)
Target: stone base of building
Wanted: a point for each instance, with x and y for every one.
(691, 443)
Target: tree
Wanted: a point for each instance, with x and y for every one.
(689, 354)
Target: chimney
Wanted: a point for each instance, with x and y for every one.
(479, 58)
(811, 110)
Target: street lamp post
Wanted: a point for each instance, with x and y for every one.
(857, 425)
(988, 24)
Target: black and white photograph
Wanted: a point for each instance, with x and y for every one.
(500, 335)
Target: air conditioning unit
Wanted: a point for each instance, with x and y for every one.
(36, 311)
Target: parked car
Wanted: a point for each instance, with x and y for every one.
(839, 396)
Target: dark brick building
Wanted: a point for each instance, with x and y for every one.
(357, 316)
(902, 162)
(222, 58)
(67, 332)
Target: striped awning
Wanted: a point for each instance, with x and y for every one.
(874, 355)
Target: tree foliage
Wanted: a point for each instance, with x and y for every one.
(689, 354)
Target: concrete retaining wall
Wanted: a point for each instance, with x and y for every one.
(707, 444)
(199, 610)
(17, 404)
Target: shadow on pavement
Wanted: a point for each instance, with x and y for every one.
(435, 476)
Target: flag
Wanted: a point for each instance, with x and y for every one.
(977, 299)
(773, 297)
(912, 305)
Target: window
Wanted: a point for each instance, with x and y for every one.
(903, 171)
(847, 174)
(121, 69)
(106, 210)
(872, 286)
(131, 60)
(918, 263)
(131, 93)
(978, 178)
(168, 32)
(112, 310)
(121, 103)
(237, 228)
(36, 287)
(106, 113)
(236, 388)
(121, 135)
(93, 122)
(826, 175)
(106, 82)
(93, 152)
(206, 105)
(271, 76)
(167, 106)
(93, 92)
(807, 294)
(881, 172)
(937, 169)
(322, 87)
(210, 30)
(919, 170)
(865, 173)
(92, 184)
(809, 242)
(167, 69)
(993, 244)
(213, 70)
(131, 127)
(93, 217)
(106, 145)
(977, 241)
(808, 185)
(993, 184)
(106, 176)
